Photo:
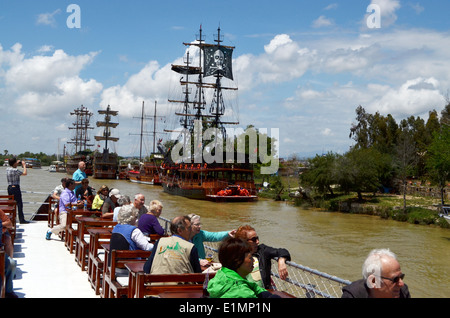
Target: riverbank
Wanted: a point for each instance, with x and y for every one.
(419, 210)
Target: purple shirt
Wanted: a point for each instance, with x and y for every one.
(149, 224)
(66, 197)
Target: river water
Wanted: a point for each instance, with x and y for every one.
(334, 243)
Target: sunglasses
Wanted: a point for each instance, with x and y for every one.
(254, 239)
(395, 280)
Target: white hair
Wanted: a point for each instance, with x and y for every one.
(128, 214)
(373, 262)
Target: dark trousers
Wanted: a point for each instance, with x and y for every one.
(15, 191)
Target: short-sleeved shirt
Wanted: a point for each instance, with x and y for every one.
(78, 175)
(13, 176)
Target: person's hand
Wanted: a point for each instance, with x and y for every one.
(204, 262)
(282, 268)
(232, 233)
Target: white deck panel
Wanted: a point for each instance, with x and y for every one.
(46, 269)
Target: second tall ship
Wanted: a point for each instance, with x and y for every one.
(105, 163)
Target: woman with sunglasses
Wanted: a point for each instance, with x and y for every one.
(262, 255)
(382, 278)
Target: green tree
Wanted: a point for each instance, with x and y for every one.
(321, 174)
(406, 157)
(359, 171)
(438, 161)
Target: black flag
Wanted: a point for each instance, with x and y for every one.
(218, 60)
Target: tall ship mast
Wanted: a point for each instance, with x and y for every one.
(202, 106)
(148, 171)
(81, 141)
(105, 163)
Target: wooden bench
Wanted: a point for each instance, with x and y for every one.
(111, 287)
(156, 284)
(97, 256)
(9, 206)
(71, 231)
(53, 214)
(81, 245)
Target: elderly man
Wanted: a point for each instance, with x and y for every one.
(79, 175)
(139, 203)
(382, 278)
(174, 254)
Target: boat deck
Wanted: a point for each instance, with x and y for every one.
(45, 269)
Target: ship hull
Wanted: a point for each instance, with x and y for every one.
(105, 165)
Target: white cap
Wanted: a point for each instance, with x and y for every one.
(114, 192)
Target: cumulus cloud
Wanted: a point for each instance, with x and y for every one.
(42, 86)
(415, 97)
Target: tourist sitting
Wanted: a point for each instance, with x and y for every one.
(230, 281)
(382, 278)
(121, 201)
(148, 222)
(66, 201)
(263, 255)
(101, 196)
(57, 192)
(6, 224)
(126, 226)
(85, 192)
(10, 271)
(110, 204)
(174, 254)
(199, 236)
(139, 203)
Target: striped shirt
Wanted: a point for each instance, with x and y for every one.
(13, 176)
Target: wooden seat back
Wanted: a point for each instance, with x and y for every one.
(111, 287)
(155, 284)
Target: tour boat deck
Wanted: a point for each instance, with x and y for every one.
(45, 269)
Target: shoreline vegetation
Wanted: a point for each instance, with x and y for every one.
(420, 210)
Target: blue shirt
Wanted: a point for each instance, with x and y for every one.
(78, 176)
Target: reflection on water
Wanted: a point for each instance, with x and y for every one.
(333, 243)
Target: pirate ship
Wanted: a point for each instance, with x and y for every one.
(187, 169)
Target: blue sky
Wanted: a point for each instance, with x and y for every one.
(301, 66)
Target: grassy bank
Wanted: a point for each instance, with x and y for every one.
(419, 210)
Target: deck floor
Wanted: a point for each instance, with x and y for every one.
(46, 269)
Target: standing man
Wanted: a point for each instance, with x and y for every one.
(13, 176)
(79, 175)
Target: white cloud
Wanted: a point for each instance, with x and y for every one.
(45, 86)
(47, 18)
(414, 97)
(321, 22)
